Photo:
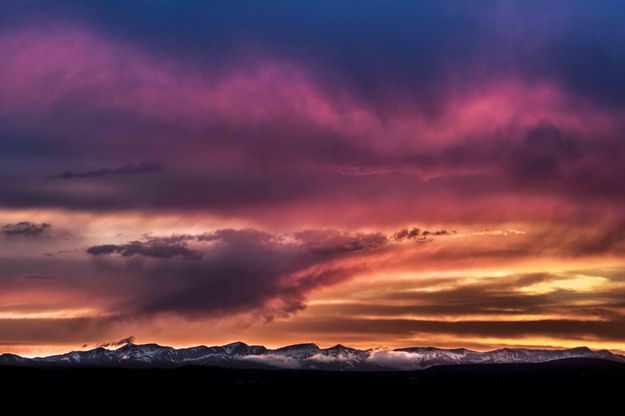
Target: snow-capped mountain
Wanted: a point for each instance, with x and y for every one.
(300, 356)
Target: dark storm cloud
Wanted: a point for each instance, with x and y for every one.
(25, 229)
(232, 270)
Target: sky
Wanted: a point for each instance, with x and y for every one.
(371, 173)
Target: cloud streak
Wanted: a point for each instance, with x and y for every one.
(131, 169)
(25, 229)
(152, 247)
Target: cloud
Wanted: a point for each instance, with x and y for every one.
(400, 360)
(118, 343)
(228, 271)
(333, 242)
(52, 331)
(506, 148)
(274, 360)
(231, 270)
(580, 330)
(25, 229)
(131, 169)
(504, 297)
(600, 241)
(417, 234)
(153, 247)
(582, 305)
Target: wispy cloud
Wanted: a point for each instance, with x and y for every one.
(130, 169)
(118, 343)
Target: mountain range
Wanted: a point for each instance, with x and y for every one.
(299, 356)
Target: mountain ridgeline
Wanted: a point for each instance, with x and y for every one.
(300, 356)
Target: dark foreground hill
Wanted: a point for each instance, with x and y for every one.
(567, 383)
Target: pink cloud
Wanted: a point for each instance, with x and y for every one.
(55, 66)
(306, 147)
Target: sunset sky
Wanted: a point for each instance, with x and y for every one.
(371, 173)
